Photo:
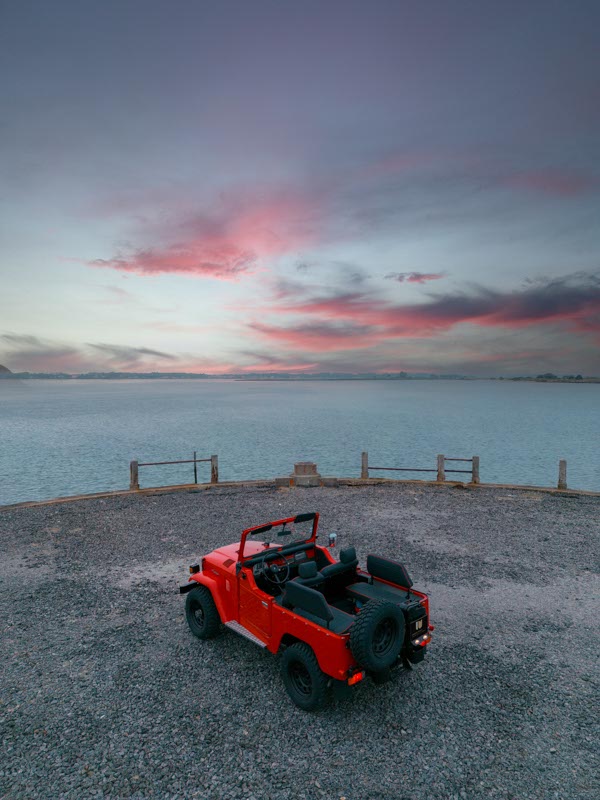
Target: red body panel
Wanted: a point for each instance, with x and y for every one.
(331, 649)
(238, 598)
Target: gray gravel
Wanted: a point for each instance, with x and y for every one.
(105, 693)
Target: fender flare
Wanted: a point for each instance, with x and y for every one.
(202, 579)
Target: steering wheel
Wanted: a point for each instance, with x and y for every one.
(276, 573)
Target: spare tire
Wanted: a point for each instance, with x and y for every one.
(377, 635)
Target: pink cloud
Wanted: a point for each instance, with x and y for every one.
(320, 337)
(398, 163)
(574, 302)
(554, 182)
(208, 365)
(228, 243)
(208, 259)
(276, 365)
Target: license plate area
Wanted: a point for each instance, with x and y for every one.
(418, 627)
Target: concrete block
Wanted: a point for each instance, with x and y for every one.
(329, 481)
(305, 468)
(307, 480)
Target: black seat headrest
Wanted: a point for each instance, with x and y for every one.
(308, 569)
(347, 555)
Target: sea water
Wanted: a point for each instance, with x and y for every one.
(76, 436)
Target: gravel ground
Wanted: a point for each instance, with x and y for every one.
(105, 693)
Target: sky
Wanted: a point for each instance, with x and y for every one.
(300, 186)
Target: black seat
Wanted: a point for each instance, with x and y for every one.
(378, 591)
(388, 570)
(311, 605)
(348, 563)
(383, 569)
(309, 575)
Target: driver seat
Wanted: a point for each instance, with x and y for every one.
(309, 575)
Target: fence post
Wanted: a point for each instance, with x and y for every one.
(364, 466)
(195, 469)
(214, 469)
(475, 474)
(133, 476)
(441, 475)
(562, 474)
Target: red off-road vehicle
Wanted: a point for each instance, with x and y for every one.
(333, 622)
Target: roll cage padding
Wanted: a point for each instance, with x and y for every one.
(268, 555)
(307, 517)
(262, 529)
(299, 596)
(388, 570)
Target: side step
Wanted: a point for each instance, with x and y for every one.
(235, 626)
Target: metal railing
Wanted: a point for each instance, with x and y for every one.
(134, 482)
(440, 470)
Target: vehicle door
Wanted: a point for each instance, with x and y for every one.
(254, 605)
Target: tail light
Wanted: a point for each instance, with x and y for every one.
(356, 678)
(421, 641)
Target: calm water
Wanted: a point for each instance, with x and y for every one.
(60, 438)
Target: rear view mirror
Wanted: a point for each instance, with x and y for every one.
(332, 539)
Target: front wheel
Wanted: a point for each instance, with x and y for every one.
(303, 678)
(201, 613)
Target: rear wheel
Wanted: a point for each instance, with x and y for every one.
(201, 613)
(303, 678)
(377, 635)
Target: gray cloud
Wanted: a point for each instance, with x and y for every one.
(572, 300)
(27, 353)
(552, 322)
(122, 353)
(414, 277)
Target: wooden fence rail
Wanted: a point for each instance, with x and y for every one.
(134, 466)
(440, 469)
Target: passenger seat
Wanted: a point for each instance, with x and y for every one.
(347, 564)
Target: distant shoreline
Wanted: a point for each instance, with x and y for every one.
(282, 378)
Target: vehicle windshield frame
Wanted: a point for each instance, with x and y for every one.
(267, 527)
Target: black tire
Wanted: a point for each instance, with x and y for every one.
(303, 678)
(377, 636)
(201, 613)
